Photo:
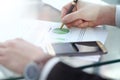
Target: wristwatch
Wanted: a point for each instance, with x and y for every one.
(32, 71)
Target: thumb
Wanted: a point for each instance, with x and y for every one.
(71, 17)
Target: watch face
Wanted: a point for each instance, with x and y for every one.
(32, 72)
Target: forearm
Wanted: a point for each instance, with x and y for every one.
(106, 15)
(117, 16)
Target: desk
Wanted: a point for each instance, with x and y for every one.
(33, 9)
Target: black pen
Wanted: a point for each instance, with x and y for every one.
(70, 10)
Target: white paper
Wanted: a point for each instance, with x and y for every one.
(76, 34)
(40, 32)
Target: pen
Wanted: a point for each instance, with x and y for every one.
(70, 10)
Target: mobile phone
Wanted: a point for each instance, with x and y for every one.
(77, 48)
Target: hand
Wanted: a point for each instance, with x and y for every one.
(16, 54)
(87, 14)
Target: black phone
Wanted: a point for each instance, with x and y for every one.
(77, 48)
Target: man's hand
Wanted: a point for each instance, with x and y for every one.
(87, 14)
(16, 54)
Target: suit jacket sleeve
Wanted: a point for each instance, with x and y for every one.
(118, 16)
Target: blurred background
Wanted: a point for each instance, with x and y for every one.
(112, 1)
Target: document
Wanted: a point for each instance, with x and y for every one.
(40, 32)
(44, 31)
(76, 34)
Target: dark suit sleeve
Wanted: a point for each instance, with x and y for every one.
(57, 70)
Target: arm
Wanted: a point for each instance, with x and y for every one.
(16, 54)
(87, 14)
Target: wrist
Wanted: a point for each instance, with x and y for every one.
(112, 16)
(42, 60)
(107, 15)
(34, 69)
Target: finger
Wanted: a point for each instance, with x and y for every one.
(75, 23)
(84, 25)
(91, 24)
(66, 8)
(68, 25)
(75, 8)
(71, 17)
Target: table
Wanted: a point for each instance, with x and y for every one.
(41, 11)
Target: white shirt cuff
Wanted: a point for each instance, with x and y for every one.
(118, 16)
(48, 67)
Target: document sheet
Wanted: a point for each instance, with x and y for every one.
(40, 32)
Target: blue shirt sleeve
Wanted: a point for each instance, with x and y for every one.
(118, 16)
